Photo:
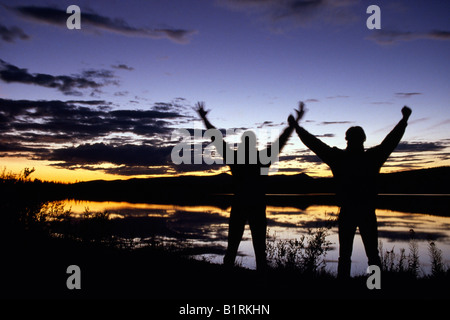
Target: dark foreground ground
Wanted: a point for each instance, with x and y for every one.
(37, 270)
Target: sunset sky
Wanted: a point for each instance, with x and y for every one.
(104, 102)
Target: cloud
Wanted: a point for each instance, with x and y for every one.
(12, 33)
(91, 135)
(442, 123)
(77, 122)
(338, 97)
(264, 124)
(101, 103)
(325, 135)
(297, 12)
(98, 22)
(127, 159)
(122, 67)
(121, 93)
(407, 94)
(385, 37)
(309, 158)
(418, 120)
(381, 102)
(68, 85)
(98, 153)
(325, 123)
(419, 146)
(135, 170)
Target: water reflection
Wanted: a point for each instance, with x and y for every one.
(205, 228)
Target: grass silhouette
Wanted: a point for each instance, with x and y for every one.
(305, 255)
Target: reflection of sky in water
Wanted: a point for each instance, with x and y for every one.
(206, 228)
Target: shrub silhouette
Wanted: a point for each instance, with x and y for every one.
(306, 254)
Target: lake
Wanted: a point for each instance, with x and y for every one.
(204, 229)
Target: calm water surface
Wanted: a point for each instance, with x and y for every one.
(205, 229)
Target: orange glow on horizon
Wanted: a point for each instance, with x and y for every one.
(46, 172)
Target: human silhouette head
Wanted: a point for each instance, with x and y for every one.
(355, 137)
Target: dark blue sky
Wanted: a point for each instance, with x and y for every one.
(250, 61)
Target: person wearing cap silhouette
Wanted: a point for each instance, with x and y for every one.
(355, 171)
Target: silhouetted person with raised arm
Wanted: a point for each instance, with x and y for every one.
(355, 172)
(249, 175)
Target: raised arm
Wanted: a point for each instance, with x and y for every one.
(283, 138)
(202, 113)
(322, 150)
(221, 149)
(393, 138)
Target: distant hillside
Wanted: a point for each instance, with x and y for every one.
(424, 181)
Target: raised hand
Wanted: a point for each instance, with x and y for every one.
(406, 112)
(300, 112)
(200, 107)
